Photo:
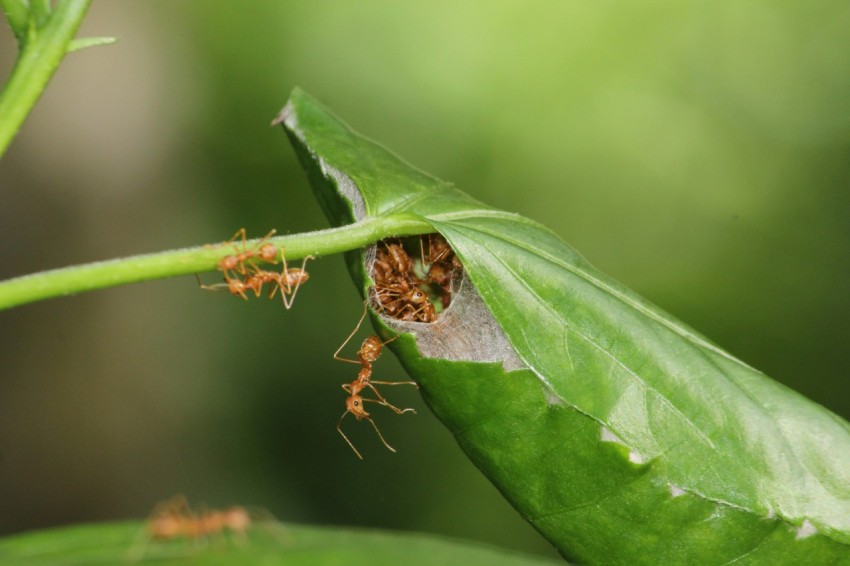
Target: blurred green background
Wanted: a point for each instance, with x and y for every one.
(699, 152)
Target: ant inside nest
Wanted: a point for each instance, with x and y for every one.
(414, 285)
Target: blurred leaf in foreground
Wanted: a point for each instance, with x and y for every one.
(271, 544)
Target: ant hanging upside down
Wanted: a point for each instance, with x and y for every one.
(368, 353)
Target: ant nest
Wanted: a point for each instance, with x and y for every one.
(411, 286)
(420, 287)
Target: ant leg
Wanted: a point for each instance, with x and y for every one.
(232, 284)
(267, 252)
(266, 520)
(271, 233)
(339, 430)
(422, 249)
(288, 304)
(236, 235)
(413, 383)
(350, 336)
(282, 282)
(385, 403)
(381, 436)
(243, 235)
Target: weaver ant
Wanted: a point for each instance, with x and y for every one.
(406, 303)
(287, 281)
(368, 353)
(264, 251)
(404, 287)
(392, 264)
(174, 519)
(441, 262)
(241, 277)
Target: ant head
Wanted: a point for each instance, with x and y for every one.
(418, 296)
(354, 404)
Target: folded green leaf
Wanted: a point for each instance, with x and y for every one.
(621, 434)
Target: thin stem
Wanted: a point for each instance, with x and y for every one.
(80, 278)
(37, 61)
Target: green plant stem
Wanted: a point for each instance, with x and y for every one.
(80, 278)
(40, 55)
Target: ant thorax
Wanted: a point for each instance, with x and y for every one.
(414, 277)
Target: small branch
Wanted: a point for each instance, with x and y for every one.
(86, 42)
(99, 275)
(40, 12)
(18, 18)
(37, 61)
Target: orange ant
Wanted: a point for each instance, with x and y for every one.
(174, 519)
(264, 251)
(368, 353)
(232, 266)
(442, 263)
(393, 264)
(414, 303)
(287, 281)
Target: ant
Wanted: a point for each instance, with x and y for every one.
(392, 264)
(414, 303)
(174, 519)
(232, 266)
(368, 353)
(287, 281)
(442, 263)
(264, 251)
(396, 286)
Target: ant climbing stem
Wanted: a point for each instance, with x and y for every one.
(242, 272)
(368, 353)
(264, 251)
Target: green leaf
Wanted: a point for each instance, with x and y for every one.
(267, 543)
(621, 434)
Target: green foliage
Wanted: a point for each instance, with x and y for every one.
(265, 543)
(626, 436)
(44, 36)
